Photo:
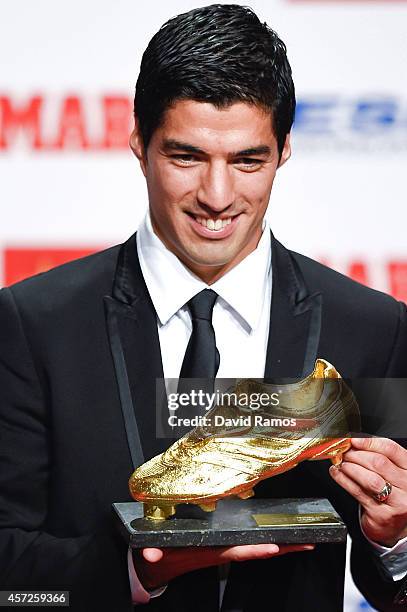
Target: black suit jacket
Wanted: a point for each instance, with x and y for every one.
(79, 357)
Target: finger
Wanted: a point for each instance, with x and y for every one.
(259, 551)
(218, 555)
(391, 449)
(152, 554)
(378, 464)
(371, 482)
(351, 487)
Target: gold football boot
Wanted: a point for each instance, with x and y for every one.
(241, 446)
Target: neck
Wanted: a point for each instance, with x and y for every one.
(210, 274)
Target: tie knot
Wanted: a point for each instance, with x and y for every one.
(201, 305)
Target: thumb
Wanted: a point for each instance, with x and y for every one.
(153, 554)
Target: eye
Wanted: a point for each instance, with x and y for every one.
(249, 162)
(184, 159)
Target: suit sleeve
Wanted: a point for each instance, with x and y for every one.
(368, 571)
(92, 567)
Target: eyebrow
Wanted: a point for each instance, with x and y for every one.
(175, 145)
(260, 150)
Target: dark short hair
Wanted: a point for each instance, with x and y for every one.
(219, 54)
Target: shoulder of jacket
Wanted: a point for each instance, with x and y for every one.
(348, 300)
(87, 276)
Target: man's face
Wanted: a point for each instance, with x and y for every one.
(209, 176)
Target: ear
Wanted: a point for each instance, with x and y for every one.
(286, 152)
(137, 146)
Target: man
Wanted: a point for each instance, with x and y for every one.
(81, 348)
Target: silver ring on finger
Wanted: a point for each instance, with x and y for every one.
(383, 495)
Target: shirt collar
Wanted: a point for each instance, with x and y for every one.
(171, 284)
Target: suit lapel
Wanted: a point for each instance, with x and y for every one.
(295, 320)
(133, 335)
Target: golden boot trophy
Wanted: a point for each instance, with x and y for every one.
(213, 462)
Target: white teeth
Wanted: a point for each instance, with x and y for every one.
(212, 225)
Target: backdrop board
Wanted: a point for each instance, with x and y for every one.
(70, 185)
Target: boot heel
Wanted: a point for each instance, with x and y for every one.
(246, 494)
(155, 512)
(208, 506)
(334, 454)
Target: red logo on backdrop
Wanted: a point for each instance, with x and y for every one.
(398, 279)
(22, 263)
(72, 122)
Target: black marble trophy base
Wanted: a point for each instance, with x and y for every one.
(235, 521)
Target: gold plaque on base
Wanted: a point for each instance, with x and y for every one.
(291, 520)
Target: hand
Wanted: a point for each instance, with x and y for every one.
(366, 467)
(156, 567)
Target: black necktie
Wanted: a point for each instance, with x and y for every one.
(201, 360)
(201, 357)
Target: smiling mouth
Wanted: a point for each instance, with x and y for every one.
(213, 225)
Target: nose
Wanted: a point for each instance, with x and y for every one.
(216, 189)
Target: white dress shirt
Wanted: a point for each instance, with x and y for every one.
(241, 314)
(241, 318)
